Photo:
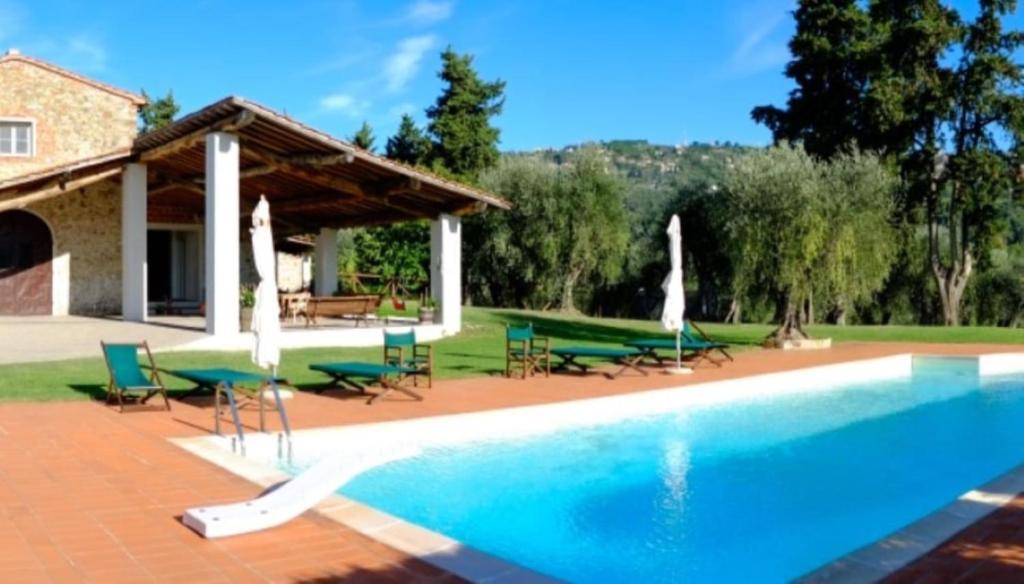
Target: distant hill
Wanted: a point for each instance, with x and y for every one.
(653, 166)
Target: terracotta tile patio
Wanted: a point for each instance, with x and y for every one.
(90, 494)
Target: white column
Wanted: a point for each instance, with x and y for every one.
(134, 295)
(446, 270)
(326, 276)
(222, 234)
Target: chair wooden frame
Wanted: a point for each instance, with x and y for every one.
(157, 385)
(523, 353)
(421, 358)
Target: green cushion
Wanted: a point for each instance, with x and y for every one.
(686, 345)
(213, 376)
(600, 352)
(519, 333)
(361, 369)
(124, 367)
(399, 340)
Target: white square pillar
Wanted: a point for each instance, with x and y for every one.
(446, 270)
(133, 243)
(326, 277)
(222, 234)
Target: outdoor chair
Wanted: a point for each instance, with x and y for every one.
(526, 352)
(402, 350)
(627, 359)
(126, 375)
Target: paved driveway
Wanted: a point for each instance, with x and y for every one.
(52, 338)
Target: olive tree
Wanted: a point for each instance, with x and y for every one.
(799, 225)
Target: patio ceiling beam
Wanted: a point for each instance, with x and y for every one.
(296, 168)
(232, 124)
(20, 202)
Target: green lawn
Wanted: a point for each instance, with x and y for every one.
(479, 350)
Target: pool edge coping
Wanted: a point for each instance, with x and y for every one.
(418, 542)
(884, 557)
(868, 563)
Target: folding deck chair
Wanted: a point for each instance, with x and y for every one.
(126, 375)
(401, 349)
(526, 351)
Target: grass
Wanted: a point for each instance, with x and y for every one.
(478, 350)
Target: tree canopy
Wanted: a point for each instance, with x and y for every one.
(567, 228)
(800, 225)
(157, 113)
(364, 137)
(465, 142)
(409, 144)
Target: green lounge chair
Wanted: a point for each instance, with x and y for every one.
(627, 358)
(126, 375)
(401, 349)
(351, 375)
(692, 340)
(526, 351)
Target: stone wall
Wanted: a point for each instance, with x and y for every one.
(290, 273)
(86, 226)
(74, 120)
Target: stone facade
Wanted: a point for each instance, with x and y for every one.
(74, 119)
(86, 227)
(291, 273)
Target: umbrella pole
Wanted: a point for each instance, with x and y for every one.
(679, 351)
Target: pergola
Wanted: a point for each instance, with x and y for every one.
(212, 166)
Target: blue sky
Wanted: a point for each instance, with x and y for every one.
(666, 71)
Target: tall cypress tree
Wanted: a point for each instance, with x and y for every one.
(829, 48)
(465, 142)
(364, 137)
(409, 144)
(157, 113)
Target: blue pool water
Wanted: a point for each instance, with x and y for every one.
(761, 490)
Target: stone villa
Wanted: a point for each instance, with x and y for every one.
(98, 219)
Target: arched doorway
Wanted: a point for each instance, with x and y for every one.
(26, 272)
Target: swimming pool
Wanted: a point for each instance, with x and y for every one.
(763, 488)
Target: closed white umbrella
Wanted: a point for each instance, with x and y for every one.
(266, 325)
(675, 299)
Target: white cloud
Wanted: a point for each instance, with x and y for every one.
(400, 110)
(403, 65)
(760, 47)
(88, 52)
(426, 12)
(344, 103)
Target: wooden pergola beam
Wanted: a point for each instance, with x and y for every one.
(18, 201)
(288, 165)
(232, 124)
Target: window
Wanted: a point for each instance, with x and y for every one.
(17, 138)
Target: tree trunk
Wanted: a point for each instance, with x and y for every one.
(568, 303)
(841, 316)
(734, 315)
(952, 281)
(808, 314)
(790, 329)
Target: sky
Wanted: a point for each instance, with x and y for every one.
(671, 72)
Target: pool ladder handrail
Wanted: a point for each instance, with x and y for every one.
(239, 439)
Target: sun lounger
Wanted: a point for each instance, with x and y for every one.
(692, 340)
(126, 375)
(353, 375)
(227, 382)
(627, 358)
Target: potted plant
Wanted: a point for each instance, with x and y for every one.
(246, 300)
(427, 309)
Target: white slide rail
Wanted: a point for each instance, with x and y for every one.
(288, 500)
